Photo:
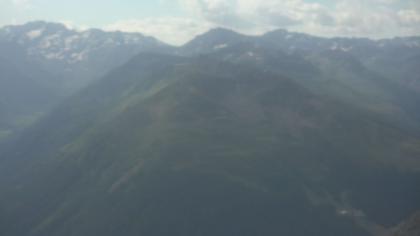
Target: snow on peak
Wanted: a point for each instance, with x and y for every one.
(289, 36)
(77, 57)
(33, 34)
(69, 41)
(54, 56)
(336, 47)
(220, 46)
(346, 49)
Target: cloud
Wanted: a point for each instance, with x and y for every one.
(173, 30)
(255, 16)
(366, 18)
(350, 18)
(15, 11)
(409, 21)
(409, 17)
(73, 26)
(22, 4)
(374, 19)
(220, 12)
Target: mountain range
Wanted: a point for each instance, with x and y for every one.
(77, 55)
(52, 60)
(229, 134)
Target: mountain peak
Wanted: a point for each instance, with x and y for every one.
(71, 53)
(220, 34)
(214, 39)
(278, 32)
(36, 25)
(287, 35)
(221, 30)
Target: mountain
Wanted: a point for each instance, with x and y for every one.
(24, 94)
(355, 70)
(77, 57)
(43, 63)
(198, 146)
(410, 227)
(226, 135)
(215, 39)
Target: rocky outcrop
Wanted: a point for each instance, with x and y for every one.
(410, 227)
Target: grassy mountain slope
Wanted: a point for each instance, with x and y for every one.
(198, 146)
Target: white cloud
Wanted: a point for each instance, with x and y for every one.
(173, 30)
(354, 18)
(73, 26)
(22, 4)
(256, 16)
(367, 18)
(409, 21)
(409, 17)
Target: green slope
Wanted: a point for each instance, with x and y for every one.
(167, 145)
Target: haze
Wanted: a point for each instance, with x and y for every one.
(178, 21)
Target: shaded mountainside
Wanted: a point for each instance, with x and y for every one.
(169, 145)
(43, 63)
(25, 95)
(379, 76)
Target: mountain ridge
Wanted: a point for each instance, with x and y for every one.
(54, 62)
(164, 128)
(77, 56)
(249, 138)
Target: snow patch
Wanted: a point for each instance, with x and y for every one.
(52, 56)
(49, 41)
(336, 47)
(220, 46)
(34, 34)
(76, 57)
(346, 49)
(68, 42)
(343, 212)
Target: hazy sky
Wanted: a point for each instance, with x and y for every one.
(176, 21)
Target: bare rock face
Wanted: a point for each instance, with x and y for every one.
(410, 227)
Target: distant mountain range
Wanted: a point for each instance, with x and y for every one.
(229, 134)
(77, 57)
(382, 75)
(48, 59)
